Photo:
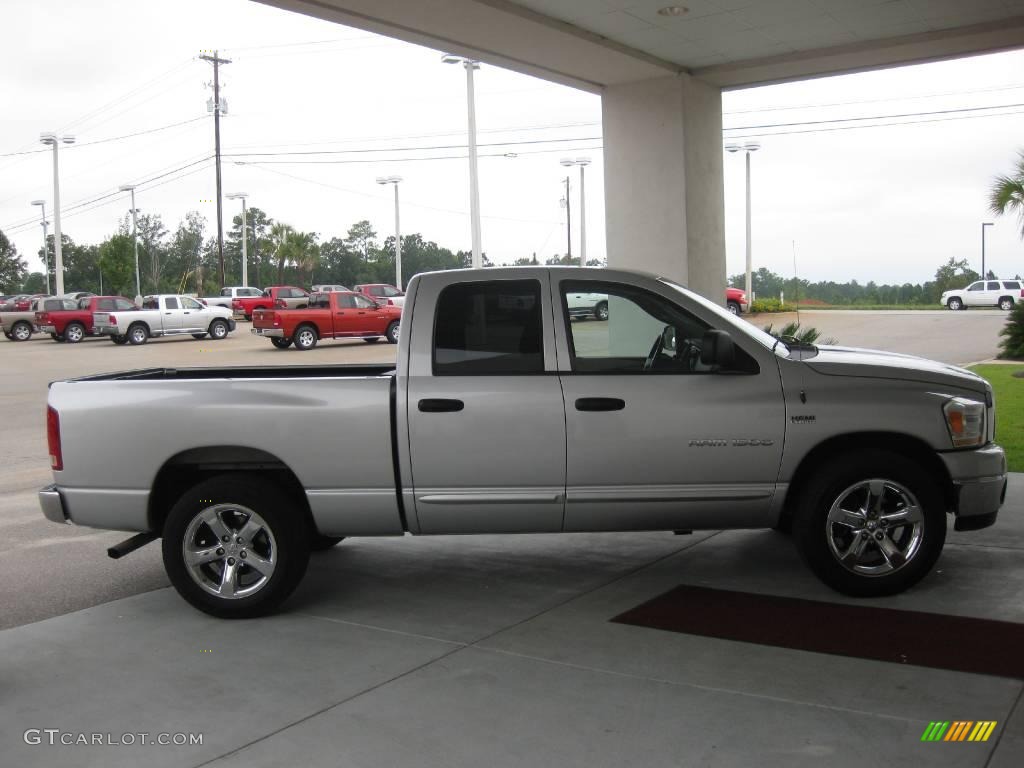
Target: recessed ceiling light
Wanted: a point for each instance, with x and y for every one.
(673, 10)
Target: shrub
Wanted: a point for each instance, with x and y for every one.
(1012, 344)
(770, 305)
(795, 331)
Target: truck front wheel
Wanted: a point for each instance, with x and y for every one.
(218, 330)
(235, 546)
(871, 524)
(392, 332)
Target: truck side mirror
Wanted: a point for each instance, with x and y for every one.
(717, 349)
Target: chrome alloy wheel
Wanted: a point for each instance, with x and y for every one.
(875, 527)
(229, 551)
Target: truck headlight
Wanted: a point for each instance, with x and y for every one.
(966, 422)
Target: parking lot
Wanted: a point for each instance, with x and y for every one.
(468, 651)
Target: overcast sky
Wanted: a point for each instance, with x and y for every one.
(884, 203)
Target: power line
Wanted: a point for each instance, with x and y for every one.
(409, 159)
(871, 117)
(368, 150)
(137, 133)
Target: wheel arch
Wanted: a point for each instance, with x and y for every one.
(827, 450)
(186, 469)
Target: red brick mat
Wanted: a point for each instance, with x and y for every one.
(963, 644)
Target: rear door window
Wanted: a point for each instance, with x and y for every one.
(171, 302)
(993, 286)
(489, 328)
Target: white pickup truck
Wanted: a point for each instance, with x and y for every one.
(165, 315)
(229, 293)
(503, 416)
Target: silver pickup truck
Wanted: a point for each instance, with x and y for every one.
(503, 415)
(165, 315)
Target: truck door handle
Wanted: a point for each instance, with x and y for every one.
(600, 404)
(440, 405)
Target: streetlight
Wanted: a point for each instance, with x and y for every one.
(52, 140)
(394, 180)
(985, 224)
(582, 162)
(135, 240)
(750, 146)
(474, 187)
(245, 257)
(46, 255)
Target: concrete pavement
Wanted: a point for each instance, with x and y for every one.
(498, 651)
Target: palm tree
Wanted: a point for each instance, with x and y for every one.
(305, 252)
(1007, 193)
(280, 237)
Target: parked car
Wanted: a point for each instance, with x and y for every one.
(280, 296)
(229, 293)
(165, 315)
(333, 315)
(76, 295)
(985, 293)
(329, 288)
(19, 326)
(382, 293)
(735, 300)
(501, 417)
(75, 323)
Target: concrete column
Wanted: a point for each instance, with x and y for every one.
(664, 195)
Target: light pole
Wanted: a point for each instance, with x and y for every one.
(582, 162)
(52, 140)
(135, 240)
(474, 187)
(394, 181)
(46, 255)
(245, 256)
(984, 224)
(750, 146)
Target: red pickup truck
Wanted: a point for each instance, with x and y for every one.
(279, 296)
(73, 325)
(334, 315)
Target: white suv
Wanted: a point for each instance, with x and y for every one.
(985, 293)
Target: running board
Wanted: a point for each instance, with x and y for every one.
(128, 546)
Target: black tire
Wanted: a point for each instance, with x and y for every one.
(1006, 303)
(895, 476)
(319, 543)
(248, 318)
(21, 331)
(372, 339)
(734, 307)
(280, 343)
(305, 337)
(218, 330)
(57, 337)
(198, 336)
(9, 335)
(955, 304)
(120, 340)
(601, 310)
(74, 333)
(303, 306)
(284, 533)
(137, 334)
(391, 334)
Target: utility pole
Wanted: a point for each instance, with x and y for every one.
(568, 223)
(217, 61)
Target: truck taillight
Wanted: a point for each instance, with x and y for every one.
(277, 320)
(236, 304)
(112, 320)
(53, 438)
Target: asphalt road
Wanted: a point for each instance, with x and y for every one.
(48, 569)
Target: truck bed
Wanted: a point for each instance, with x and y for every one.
(246, 372)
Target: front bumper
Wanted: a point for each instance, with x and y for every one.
(53, 505)
(231, 324)
(979, 481)
(277, 333)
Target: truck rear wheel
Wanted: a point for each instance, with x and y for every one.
(138, 334)
(372, 339)
(57, 337)
(321, 543)
(392, 332)
(119, 339)
(74, 333)
(871, 524)
(21, 331)
(235, 546)
(280, 343)
(305, 337)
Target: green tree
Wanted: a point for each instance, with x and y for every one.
(305, 254)
(257, 227)
(117, 260)
(340, 264)
(34, 283)
(185, 255)
(362, 239)
(1007, 193)
(13, 269)
(280, 236)
(1012, 344)
(953, 274)
(80, 262)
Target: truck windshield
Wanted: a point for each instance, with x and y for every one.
(728, 320)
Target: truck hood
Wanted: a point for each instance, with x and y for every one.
(874, 363)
